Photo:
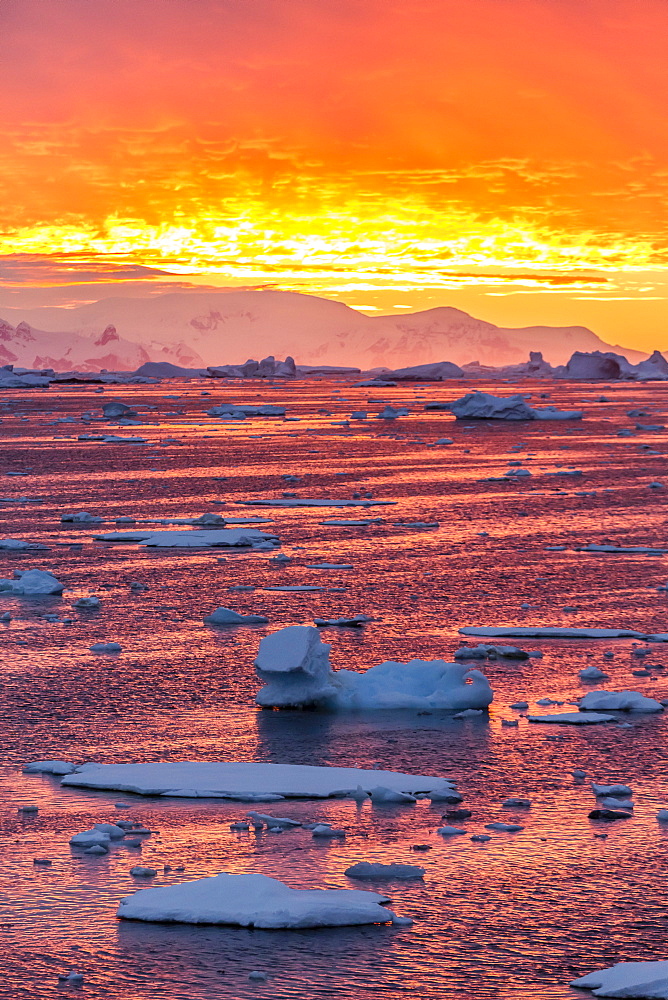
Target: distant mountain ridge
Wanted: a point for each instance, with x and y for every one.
(196, 328)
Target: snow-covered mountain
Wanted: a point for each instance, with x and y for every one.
(27, 347)
(202, 327)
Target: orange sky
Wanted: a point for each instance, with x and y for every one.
(390, 153)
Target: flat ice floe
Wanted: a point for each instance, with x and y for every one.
(213, 538)
(225, 616)
(254, 901)
(307, 502)
(573, 718)
(548, 632)
(246, 782)
(628, 979)
(294, 664)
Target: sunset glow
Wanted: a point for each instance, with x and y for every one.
(385, 153)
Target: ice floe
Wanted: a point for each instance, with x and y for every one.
(628, 979)
(548, 632)
(619, 701)
(224, 616)
(215, 538)
(573, 718)
(254, 901)
(294, 664)
(376, 870)
(32, 583)
(483, 406)
(245, 782)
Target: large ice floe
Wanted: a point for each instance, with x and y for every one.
(628, 979)
(548, 632)
(294, 664)
(255, 901)
(212, 538)
(249, 782)
(483, 406)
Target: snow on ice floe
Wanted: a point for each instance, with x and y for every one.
(628, 979)
(49, 767)
(573, 718)
(306, 502)
(376, 870)
(215, 538)
(19, 545)
(294, 664)
(254, 901)
(619, 701)
(32, 583)
(247, 782)
(224, 616)
(352, 621)
(483, 406)
(548, 632)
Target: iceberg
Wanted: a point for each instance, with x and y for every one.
(294, 664)
(32, 583)
(245, 782)
(483, 406)
(224, 616)
(254, 901)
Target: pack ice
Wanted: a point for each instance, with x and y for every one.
(255, 901)
(248, 782)
(294, 664)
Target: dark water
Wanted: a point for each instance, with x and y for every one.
(516, 917)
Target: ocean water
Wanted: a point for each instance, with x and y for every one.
(516, 917)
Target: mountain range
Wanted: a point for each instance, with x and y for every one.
(208, 327)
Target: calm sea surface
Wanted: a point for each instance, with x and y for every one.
(516, 917)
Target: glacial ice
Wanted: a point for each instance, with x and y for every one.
(254, 901)
(294, 664)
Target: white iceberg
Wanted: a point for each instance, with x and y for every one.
(628, 979)
(32, 583)
(254, 901)
(294, 664)
(619, 701)
(245, 782)
(213, 538)
(483, 406)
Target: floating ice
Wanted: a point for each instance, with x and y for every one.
(628, 979)
(18, 545)
(49, 767)
(215, 538)
(224, 616)
(91, 603)
(246, 782)
(549, 632)
(354, 621)
(305, 502)
(573, 718)
(83, 517)
(619, 701)
(618, 790)
(294, 663)
(106, 647)
(483, 406)
(593, 674)
(450, 831)
(376, 870)
(254, 901)
(32, 583)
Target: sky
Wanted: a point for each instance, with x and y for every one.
(508, 157)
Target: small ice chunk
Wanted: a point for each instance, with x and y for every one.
(139, 871)
(225, 616)
(450, 831)
(376, 870)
